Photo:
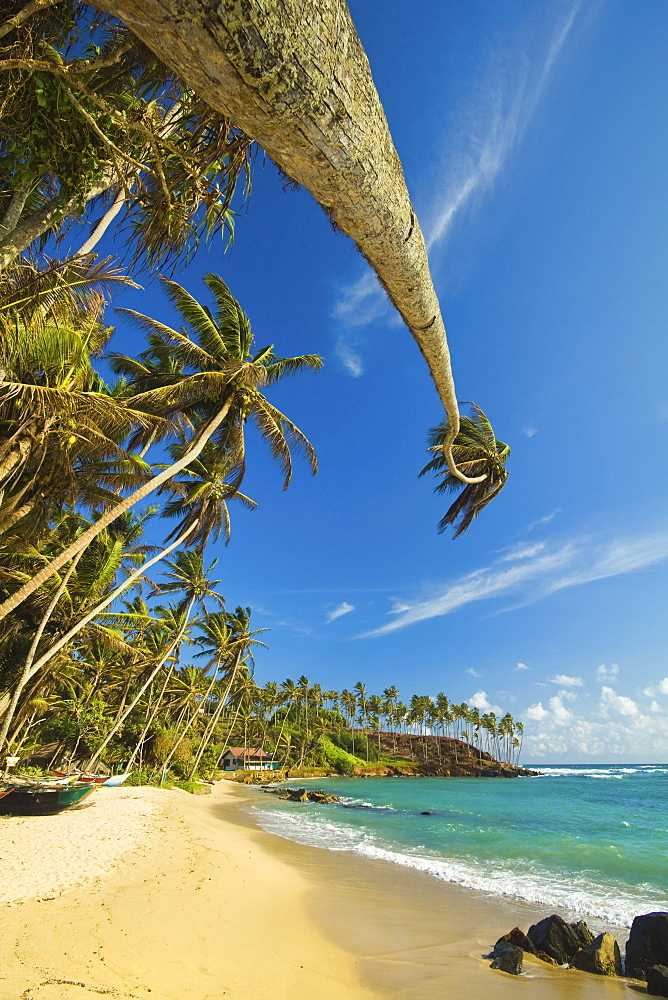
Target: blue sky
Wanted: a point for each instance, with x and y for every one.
(534, 140)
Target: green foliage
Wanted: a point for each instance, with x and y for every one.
(338, 758)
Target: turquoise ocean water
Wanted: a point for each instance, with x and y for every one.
(592, 840)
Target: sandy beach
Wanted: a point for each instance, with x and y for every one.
(159, 894)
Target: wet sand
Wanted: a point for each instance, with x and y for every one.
(203, 905)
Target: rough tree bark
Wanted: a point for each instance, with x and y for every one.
(294, 76)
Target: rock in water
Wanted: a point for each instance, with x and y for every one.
(558, 939)
(601, 957)
(507, 957)
(657, 980)
(519, 939)
(647, 944)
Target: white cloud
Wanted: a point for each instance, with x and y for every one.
(564, 680)
(399, 607)
(529, 431)
(342, 609)
(655, 707)
(479, 141)
(604, 673)
(561, 716)
(536, 712)
(497, 114)
(544, 520)
(349, 358)
(478, 586)
(523, 552)
(663, 686)
(613, 702)
(536, 572)
(480, 701)
(521, 666)
(473, 673)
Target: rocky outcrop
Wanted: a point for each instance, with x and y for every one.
(519, 939)
(303, 795)
(647, 944)
(558, 939)
(657, 980)
(602, 957)
(507, 957)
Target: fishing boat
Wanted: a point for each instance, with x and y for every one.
(31, 798)
(112, 780)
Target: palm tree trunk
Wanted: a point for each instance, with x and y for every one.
(110, 516)
(149, 719)
(154, 673)
(103, 224)
(27, 672)
(296, 78)
(216, 715)
(109, 599)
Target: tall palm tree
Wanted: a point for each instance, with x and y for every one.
(221, 391)
(480, 455)
(345, 158)
(187, 576)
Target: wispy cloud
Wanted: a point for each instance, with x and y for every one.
(498, 113)
(541, 521)
(564, 680)
(342, 609)
(521, 666)
(541, 570)
(480, 138)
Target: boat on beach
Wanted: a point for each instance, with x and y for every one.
(34, 798)
(110, 780)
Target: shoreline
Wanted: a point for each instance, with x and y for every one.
(208, 906)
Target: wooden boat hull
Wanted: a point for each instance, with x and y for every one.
(36, 800)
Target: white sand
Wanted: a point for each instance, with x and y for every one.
(43, 856)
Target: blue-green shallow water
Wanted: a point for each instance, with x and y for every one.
(591, 840)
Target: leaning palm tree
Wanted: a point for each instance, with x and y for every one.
(480, 455)
(277, 71)
(218, 394)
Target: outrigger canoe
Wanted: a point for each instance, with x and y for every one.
(37, 798)
(99, 779)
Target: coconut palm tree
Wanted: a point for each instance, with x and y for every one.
(345, 158)
(187, 575)
(221, 391)
(479, 454)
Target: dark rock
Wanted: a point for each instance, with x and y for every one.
(657, 980)
(647, 944)
(519, 939)
(426, 814)
(507, 958)
(544, 957)
(585, 936)
(307, 795)
(602, 957)
(558, 939)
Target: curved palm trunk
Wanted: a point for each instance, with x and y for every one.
(110, 515)
(294, 76)
(211, 728)
(27, 672)
(99, 608)
(151, 677)
(150, 717)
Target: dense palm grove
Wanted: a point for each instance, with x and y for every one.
(116, 651)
